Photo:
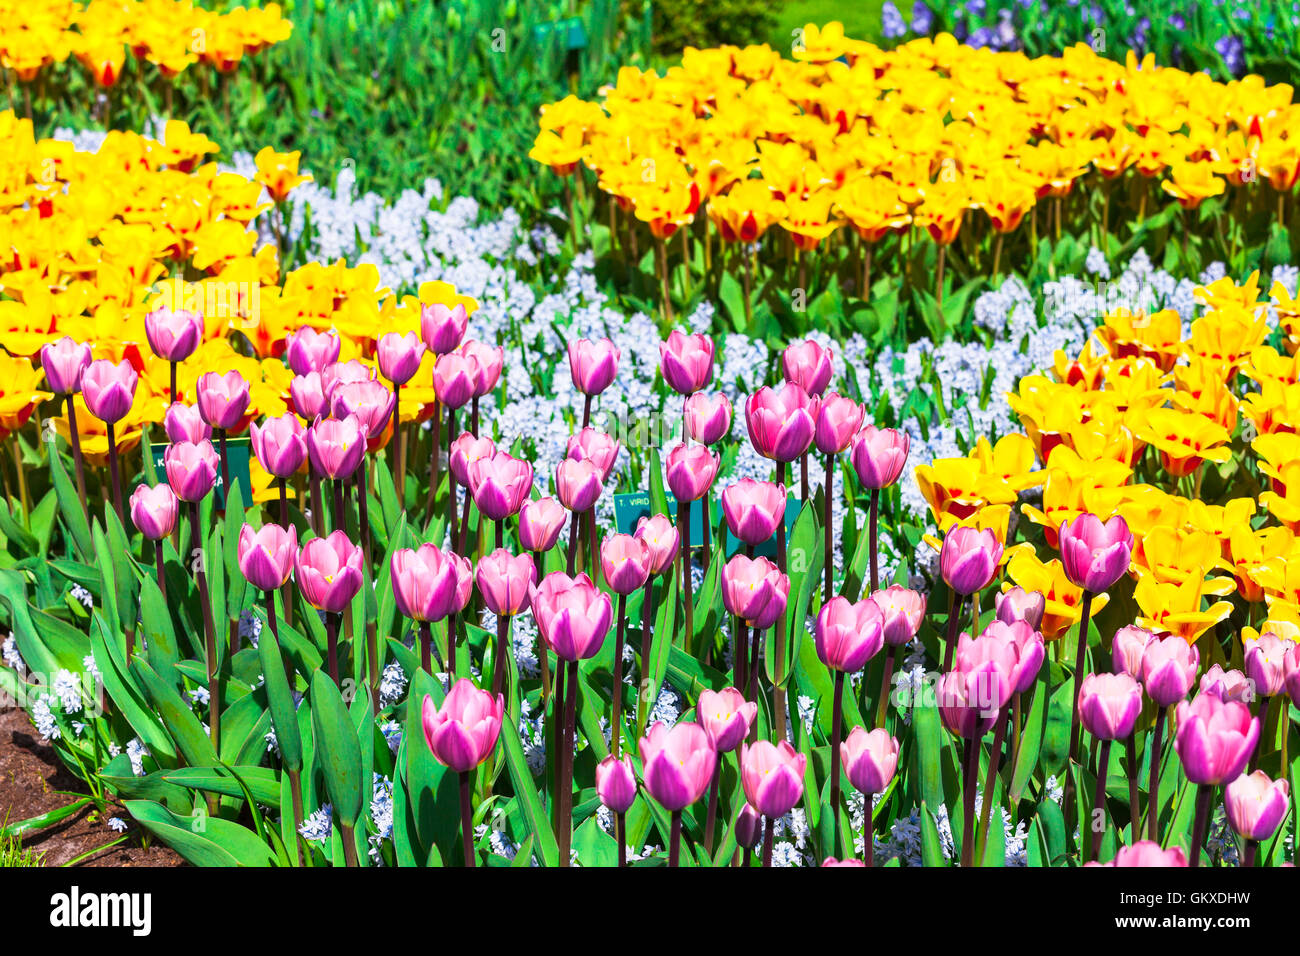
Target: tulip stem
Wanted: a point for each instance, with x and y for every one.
(116, 475)
(567, 748)
(675, 839)
(829, 549)
(1130, 746)
(1153, 786)
(990, 781)
(882, 704)
(466, 819)
(435, 461)
(78, 462)
(1097, 823)
(172, 371)
(499, 664)
(767, 841)
(451, 484)
(349, 839)
(586, 410)
(332, 639)
(363, 513)
(463, 538)
(399, 447)
(593, 548)
(684, 526)
(874, 530)
(713, 804)
(968, 802)
(1204, 794)
(317, 505)
(22, 477)
(739, 652)
(1248, 857)
(225, 467)
(453, 638)
(756, 641)
(837, 719)
(275, 634)
(284, 503)
(558, 712)
(647, 620)
(295, 790)
(954, 619)
(778, 690)
(616, 725)
(573, 542)
(803, 478)
(620, 834)
(209, 634)
(372, 659)
(340, 522)
(1080, 672)
(158, 567)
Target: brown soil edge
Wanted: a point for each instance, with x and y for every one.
(31, 775)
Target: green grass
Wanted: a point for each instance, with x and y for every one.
(861, 18)
(12, 853)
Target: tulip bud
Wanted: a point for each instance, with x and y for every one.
(969, 558)
(686, 362)
(1168, 669)
(399, 356)
(309, 351)
(540, 522)
(1266, 662)
(781, 421)
(772, 777)
(848, 635)
(1214, 739)
(838, 421)
(463, 732)
(690, 470)
(878, 456)
(677, 763)
(1095, 554)
(222, 399)
(870, 759)
(191, 469)
(108, 390)
(753, 509)
(593, 364)
(726, 717)
(64, 362)
(625, 563)
(266, 555)
(154, 511)
(505, 580)
(280, 445)
(708, 417)
(616, 783)
(578, 484)
(1256, 804)
(328, 571)
(808, 365)
(184, 423)
(1109, 705)
(442, 328)
(902, 612)
(662, 538)
(1017, 604)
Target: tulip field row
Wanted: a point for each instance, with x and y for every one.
(340, 531)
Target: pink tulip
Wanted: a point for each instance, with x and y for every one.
(1029, 651)
(425, 582)
(686, 362)
(191, 469)
(504, 580)
(1017, 604)
(466, 450)
(781, 421)
(454, 379)
(370, 402)
(592, 444)
(266, 555)
(870, 759)
(1146, 853)
(329, 572)
(64, 361)
(1095, 554)
(1227, 685)
(969, 558)
(442, 328)
(749, 827)
(500, 485)
(337, 374)
(578, 484)
(108, 389)
(831, 861)
(754, 509)
(463, 732)
(280, 444)
(708, 417)
(772, 777)
(838, 421)
(878, 456)
(336, 448)
(540, 522)
(487, 361)
(970, 701)
(848, 635)
(754, 590)
(308, 396)
(154, 510)
(1256, 804)
(1169, 669)
(223, 399)
(1214, 739)
(593, 364)
(1127, 649)
(726, 717)
(902, 612)
(399, 356)
(624, 563)
(173, 336)
(572, 615)
(808, 365)
(677, 763)
(1266, 663)
(661, 537)
(184, 423)
(690, 470)
(1109, 705)
(1291, 673)
(309, 351)
(616, 783)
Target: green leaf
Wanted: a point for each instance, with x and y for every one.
(262, 782)
(280, 699)
(931, 845)
(70, 507)
(337, 750)
(535, 816)
(178, 719)
(201, 839)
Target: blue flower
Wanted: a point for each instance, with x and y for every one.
(891, 21)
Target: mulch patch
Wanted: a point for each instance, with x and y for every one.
(30, 778)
